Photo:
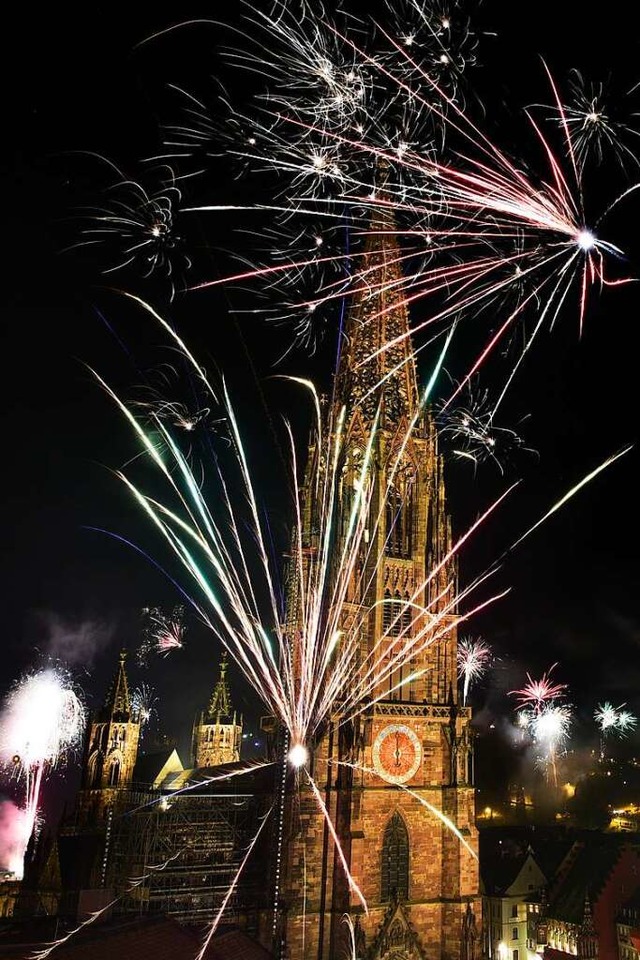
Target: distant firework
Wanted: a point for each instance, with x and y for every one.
(474, 656)
(613, 721)
(545, 718)
(162, 632)
(143, 703)
(537, 693)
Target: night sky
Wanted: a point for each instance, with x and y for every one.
(80, 86)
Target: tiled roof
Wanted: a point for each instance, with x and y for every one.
(586, 875)
(158, 938)
(236, 945)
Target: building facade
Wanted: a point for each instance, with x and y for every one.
(510, 912)
(404, 807)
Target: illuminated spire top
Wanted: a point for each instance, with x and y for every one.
(220, 704)
(118, 702)
(369, 368)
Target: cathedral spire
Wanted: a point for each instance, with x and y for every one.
(118, 702)
(220, 704)
(377, 361)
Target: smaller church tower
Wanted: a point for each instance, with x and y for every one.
(112, 746)
(217, 734)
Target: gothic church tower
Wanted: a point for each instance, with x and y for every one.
(420, 881)
(217, 735)
(112, 748)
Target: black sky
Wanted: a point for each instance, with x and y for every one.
(80, 85)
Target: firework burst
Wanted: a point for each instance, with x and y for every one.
(470, 431)
(547, 720)
(135, 227)
(403, 157)
(599, 122)
(536, 694)
(143, 703)
(41, 721)
(613, 721)
(162, 633)
(474, 657)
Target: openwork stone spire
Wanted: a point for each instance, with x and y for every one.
(118, 702)
(377, 361)
(220, 704)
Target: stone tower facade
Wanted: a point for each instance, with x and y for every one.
(112, 748)
(404, 807)
(217, 735)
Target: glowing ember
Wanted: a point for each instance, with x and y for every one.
(298, 756)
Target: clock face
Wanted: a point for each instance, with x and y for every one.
(396, 753)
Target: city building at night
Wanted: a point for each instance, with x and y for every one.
(136, 811)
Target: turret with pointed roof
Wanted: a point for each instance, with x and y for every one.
(217, 734)
(112, 746)
(117, 703)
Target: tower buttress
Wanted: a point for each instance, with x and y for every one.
(217, 734)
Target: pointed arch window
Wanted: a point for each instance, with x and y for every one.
(114, 773)
(395, 860)
(397, 619)
(392, 614)
(400, 517)
(94, 772)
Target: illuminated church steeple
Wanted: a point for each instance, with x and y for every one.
(217, 735)
(420, 882)
(377, 377)
(376, 362)
(112, 745)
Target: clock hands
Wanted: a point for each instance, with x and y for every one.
(397, 752)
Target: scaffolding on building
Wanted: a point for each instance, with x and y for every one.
(180, 854)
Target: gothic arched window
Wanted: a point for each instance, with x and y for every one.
(400, 517)
(397, 617)
(94, 770)
(114, 773)
(392, 614)
(394, 874)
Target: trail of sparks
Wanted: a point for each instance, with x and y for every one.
(299, 677)
(571, 493)
(444, 819)
(476, 223)
(133, 883)
(223, 906)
